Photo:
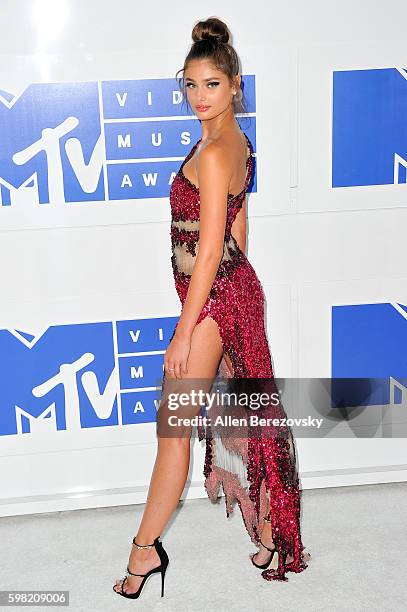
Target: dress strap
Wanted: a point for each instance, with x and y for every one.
(249, 163)
(249, 143)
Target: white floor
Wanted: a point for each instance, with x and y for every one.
(356, 535)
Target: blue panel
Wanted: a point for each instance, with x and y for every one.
(142, 335)
(140, 407)
(368, 341)
(368, 126)
(139, 371)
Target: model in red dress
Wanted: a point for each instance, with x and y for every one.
(220, 331)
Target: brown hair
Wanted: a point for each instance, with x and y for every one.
(211, 41)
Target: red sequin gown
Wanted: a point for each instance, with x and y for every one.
(259, 473)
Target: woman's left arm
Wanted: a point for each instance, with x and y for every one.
(214, 174)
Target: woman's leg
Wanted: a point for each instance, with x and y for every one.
(267, 538)
(172, 460)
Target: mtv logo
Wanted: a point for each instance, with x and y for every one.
(57, 156)
(369, 132)
(63, 377)
(79, 376)
(368, 341)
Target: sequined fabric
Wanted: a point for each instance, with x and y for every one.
(259, 473)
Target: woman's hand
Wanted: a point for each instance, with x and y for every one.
(176, 355)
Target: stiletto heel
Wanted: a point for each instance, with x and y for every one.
(162, 568)
(162, 583)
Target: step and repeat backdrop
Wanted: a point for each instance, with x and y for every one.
(67, 146)
(92, 134)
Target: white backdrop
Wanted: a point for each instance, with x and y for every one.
(311, 246)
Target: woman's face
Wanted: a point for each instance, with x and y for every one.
(208, 89)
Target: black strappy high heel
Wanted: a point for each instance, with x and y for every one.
(162, 568)
(267, 564)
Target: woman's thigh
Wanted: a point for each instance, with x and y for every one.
(203, 362)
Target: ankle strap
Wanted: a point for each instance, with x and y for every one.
(269, 549)
(139, 546)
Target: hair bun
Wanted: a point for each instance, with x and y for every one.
(211, 29)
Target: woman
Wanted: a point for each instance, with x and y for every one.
(221, 328)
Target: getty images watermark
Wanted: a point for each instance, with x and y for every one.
(248, 401)
(265, 407)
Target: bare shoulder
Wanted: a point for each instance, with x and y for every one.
(215, 154)
(220, 160)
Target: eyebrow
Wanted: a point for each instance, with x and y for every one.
(209, 79)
